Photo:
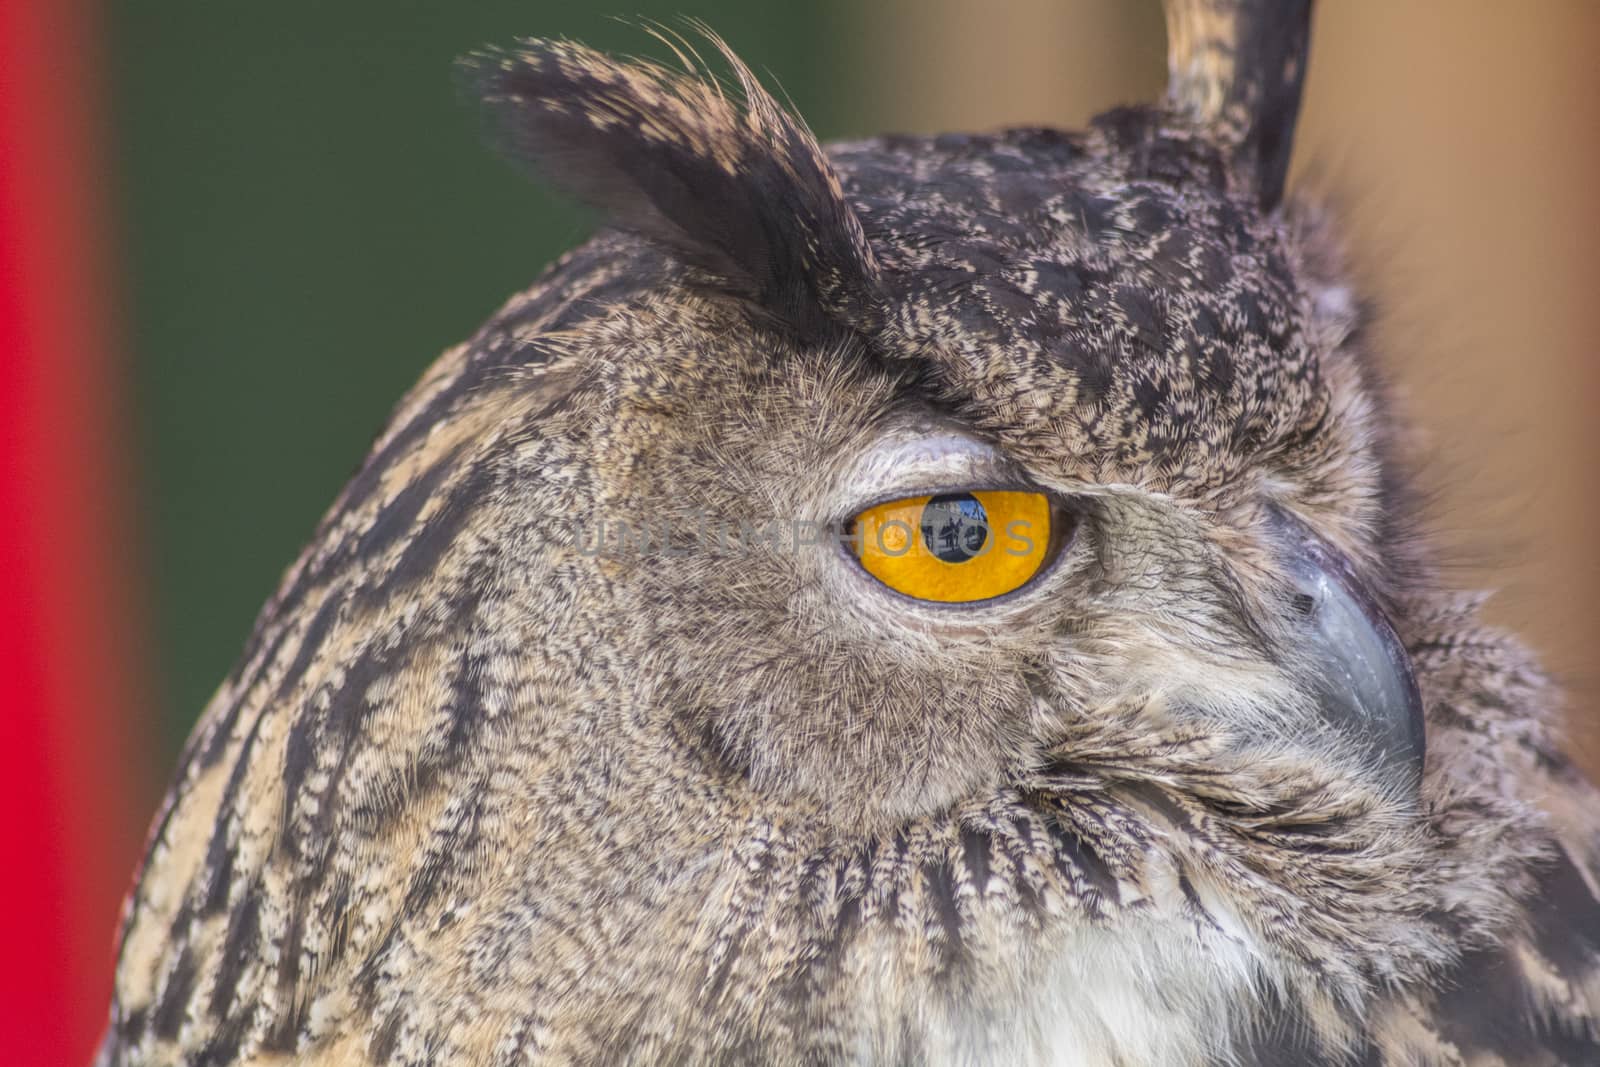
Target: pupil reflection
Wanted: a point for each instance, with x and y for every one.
(955, 527)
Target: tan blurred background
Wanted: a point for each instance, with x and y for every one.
(1460, 139)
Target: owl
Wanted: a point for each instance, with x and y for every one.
(946, 600)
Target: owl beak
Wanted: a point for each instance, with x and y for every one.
(1365, 685)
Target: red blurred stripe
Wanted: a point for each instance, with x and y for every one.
(70, 793)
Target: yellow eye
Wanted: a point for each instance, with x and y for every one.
(954, 548)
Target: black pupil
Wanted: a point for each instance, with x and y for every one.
(954, 527)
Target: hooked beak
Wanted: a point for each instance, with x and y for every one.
(1365, 685)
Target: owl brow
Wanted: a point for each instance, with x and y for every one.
(732, 186)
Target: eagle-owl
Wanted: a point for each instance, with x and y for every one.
(938, 600)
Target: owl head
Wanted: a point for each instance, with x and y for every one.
(891, 466)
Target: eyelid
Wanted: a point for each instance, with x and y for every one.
(935, 489)
(926, 458)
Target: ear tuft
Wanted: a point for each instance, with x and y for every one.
(734, 187)
(1236, 68)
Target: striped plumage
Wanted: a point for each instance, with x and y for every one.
(478, 794)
